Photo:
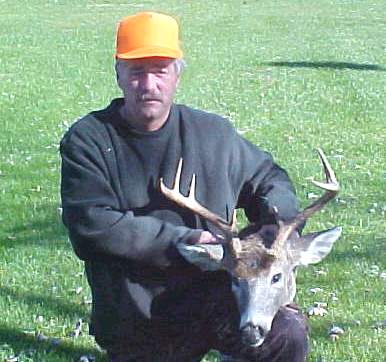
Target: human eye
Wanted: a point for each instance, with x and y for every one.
(160, 71)
(135, 71)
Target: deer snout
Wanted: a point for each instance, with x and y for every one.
(253, 335)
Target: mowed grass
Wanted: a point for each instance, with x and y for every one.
(292, 75)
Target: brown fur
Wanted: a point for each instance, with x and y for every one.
(253, 259)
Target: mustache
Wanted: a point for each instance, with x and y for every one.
(148, 97)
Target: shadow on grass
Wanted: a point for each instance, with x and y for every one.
(361, 247)
(319, 329)
(350, 255)
(56, 305)
(329, 65)
(45, 228)
(28, 345)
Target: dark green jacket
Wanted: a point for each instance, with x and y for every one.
(126, 231)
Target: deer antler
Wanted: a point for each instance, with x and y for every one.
(189, 202)
(331, 187)
(233, 245)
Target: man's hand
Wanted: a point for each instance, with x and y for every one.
(204, 238)
(203, 250)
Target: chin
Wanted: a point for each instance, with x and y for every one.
(257, 344)
(152, 111)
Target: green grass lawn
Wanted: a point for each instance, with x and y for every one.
(292, 75)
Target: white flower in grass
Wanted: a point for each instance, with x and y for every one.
(318, 309)
(312, 195)
(380, 325)
(355, 247)
(12, 359)
(87, 300)
(373, 271)
(78, 329)
(320, 272)
(335, 332)
(334, 297)
(87, 358)
(315, 290)
(77, 290)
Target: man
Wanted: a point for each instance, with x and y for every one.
(149, 303)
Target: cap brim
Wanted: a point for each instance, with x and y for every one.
(150, 52)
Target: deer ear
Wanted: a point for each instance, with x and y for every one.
(208, 257)
(312, 248)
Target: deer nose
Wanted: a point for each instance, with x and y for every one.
(253, 336)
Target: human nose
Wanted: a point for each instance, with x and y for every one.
(147, 82)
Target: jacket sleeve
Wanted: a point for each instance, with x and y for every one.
(91, 212)
(265, 185)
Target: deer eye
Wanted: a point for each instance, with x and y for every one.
(253, 264)
(276, 278)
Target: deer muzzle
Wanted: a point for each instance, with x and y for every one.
(252, 336)
(256, 313)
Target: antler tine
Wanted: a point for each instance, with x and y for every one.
(331, 183)
(331, 187)
(176, 184)
(189, 202)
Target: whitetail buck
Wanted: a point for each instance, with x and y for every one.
(263, 275)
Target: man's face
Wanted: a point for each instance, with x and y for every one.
(148, 86)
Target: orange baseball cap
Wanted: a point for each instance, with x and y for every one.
(148, 34)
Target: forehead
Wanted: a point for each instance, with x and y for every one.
(150, 62)
(253, 261)
(252, 267)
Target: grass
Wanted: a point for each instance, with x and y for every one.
(292, 75)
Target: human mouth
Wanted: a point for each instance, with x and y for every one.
(150, 101)
(143, 99)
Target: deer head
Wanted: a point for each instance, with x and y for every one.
(263, 277)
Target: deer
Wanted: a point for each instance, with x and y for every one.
(262, 271)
